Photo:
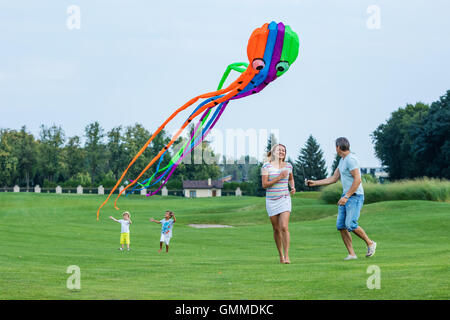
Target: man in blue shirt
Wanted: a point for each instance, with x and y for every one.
(352, 198)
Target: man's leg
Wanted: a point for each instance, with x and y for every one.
(347, 238)
(340, 225)
(354, 206)
(277, 235)
(362, 234)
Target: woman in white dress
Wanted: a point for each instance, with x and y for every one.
(276, 177)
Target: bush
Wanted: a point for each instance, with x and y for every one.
(108, 180)
(80, 179)
(418, 189)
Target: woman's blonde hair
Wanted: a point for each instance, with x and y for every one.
(270, 153)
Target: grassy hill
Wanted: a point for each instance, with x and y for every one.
(44, 234)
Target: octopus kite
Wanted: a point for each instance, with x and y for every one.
(271, 50)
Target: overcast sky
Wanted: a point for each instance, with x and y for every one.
(137, 61)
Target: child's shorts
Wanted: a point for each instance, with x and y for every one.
(124, 238)
(165, 239)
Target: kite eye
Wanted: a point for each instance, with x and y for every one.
(282, 66)
(258, 64)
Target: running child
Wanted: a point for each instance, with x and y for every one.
(166, 229)
(125, 230)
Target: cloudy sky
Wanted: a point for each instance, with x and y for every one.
(137, 61)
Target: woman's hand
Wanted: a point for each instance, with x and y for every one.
(283, 174)
(292, 191)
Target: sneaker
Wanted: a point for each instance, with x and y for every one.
(350, 257)
(371, 249)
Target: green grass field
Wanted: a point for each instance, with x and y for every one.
(42, 234)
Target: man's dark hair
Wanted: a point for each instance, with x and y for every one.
(343, 143)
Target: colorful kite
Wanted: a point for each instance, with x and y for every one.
(271, 50)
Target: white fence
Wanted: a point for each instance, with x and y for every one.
(101, 190)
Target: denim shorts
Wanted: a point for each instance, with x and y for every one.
(348, 215)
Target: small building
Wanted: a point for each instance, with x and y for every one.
(202, 188)
(377, 172)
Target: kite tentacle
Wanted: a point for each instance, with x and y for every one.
(231, 88)
(205, 130)
(196, 143)
(238, 85)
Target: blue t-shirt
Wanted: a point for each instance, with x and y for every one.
(347, 164)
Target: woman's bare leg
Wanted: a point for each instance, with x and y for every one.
(277, 235)
(285, 235)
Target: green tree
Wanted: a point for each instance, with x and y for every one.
(8, 159)
(431, 140)
(74, 157)
(201, 163)
(95, 150)
(271, 141)
(26, 151)
(394, 142)
(117, 156)
(50, 159)
(337, 158)
(309, 164)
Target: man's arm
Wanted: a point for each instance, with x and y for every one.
(356, 182)
(333, 179)
(153, 220)
(174, 219)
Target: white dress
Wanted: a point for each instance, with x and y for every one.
(278, 199)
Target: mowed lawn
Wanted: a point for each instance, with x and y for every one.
(43, 234)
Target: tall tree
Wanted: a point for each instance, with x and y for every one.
(393, 141)
(309, 164)
(431, 140)
(50, 160)
(337, 158)
(74, 157)
(95, 150)
(27, 155)
(117, 159)
(271, 141)
(8, 158)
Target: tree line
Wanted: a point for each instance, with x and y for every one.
(53, 159)
(415, 141)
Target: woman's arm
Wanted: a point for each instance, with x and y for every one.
(153, 220)
(292, 183)
(174, 219)
(267, 184)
